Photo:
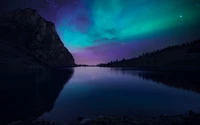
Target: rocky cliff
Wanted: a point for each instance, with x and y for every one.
(27, 39)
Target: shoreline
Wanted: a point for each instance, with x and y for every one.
(189, 118)
(153, 68)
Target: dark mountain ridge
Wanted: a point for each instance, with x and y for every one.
(184, 56)
(27, 39)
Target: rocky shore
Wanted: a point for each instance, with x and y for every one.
(189, 118)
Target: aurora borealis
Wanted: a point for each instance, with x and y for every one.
(103, 30)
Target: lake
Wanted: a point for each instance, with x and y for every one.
(62, 95)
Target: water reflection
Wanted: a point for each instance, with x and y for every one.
(187, 80)
(28, 93)
(95, 91)
(33, 93)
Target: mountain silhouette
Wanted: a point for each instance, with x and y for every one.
(27, 39)
(185, 56)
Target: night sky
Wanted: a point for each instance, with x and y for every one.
(97, 31)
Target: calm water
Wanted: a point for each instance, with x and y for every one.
(63, 95)
(105, 91)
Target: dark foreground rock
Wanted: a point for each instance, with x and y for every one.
(190, 118)
(27, 39)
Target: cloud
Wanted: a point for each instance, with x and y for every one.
(111, 31)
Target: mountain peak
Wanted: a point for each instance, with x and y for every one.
(33, 36)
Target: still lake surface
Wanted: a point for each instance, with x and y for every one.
(64, 95)
(105, 91)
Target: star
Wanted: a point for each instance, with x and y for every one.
(128, 23)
